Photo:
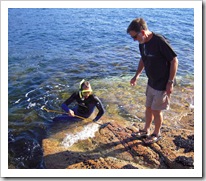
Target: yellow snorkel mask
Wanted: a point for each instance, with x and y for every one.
(84, 92)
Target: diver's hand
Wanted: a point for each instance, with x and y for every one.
(94, 120)
(71, 113)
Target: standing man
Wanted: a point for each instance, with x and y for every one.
(160, 63)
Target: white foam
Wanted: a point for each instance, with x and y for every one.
(26, 95)
(31, 105)
(42, 108)
(17, 101)
(88, 132)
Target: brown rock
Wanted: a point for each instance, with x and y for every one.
(112, 147)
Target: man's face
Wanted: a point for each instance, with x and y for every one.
(137, 36)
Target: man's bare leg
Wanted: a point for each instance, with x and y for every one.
(158, 119)
(148, 119)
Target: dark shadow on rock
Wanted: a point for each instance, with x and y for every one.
(64, 159)
(187, 144)
(129, 166)
(186, 161)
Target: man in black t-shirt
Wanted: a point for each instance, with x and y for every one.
(160, 63)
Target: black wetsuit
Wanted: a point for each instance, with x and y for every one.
(84, 108)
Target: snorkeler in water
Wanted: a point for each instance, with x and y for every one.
(86, 103)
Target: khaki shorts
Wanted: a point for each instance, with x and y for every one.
(157, 100)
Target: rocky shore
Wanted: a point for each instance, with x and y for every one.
(113, 147)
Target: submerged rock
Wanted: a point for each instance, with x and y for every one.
(25, 150)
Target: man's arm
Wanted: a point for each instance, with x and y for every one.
(173, 68)
(173, 71)
(138, 72)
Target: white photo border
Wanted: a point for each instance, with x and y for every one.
(196, 172)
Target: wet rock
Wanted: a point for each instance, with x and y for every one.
(113, 147)
(25, 152)
(187, 144)
(25, 148)
(129, 167)
(185, 161)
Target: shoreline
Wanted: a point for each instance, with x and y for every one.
(125, 106)
(113, 147)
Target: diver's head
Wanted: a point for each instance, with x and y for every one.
(85, 88)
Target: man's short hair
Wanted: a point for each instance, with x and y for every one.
(137, 25)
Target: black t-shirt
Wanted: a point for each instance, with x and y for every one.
(157, 55)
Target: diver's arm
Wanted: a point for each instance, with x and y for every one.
(65, 104)
(100, 107)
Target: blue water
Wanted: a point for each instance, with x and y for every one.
(51, 50)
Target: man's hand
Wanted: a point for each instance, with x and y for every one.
(133, 81)
(169, 88)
